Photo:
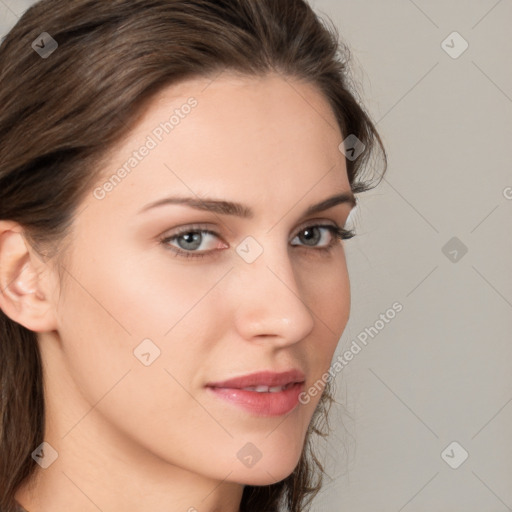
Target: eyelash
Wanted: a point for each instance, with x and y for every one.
(339, 234)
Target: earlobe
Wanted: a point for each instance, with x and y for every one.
(24, 290)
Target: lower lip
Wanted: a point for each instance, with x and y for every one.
(262, 404)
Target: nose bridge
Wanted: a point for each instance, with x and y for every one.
(270, 300)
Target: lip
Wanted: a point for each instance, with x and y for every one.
(264, 378)
(264, 403)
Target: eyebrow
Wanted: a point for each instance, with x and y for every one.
(240, 210)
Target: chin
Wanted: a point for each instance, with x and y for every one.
(273, 470)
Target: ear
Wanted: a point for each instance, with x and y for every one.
(25, 291)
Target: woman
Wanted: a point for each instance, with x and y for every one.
(176, 178)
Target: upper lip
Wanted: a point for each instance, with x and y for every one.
(264, 378)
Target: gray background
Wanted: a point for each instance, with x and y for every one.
(440, 370)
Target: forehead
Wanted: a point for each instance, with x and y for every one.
(232, 135)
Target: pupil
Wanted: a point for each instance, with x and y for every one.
(192, 240)
(310, 235)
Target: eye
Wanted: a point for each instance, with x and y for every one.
(312, 236)
(190, 242)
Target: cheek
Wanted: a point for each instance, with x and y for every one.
(112, 308)
(333, 298)
(113, 302)
(329, 300)
(329, 295)
(139, 296)
(121, 305)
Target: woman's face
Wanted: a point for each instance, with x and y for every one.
(146, 319)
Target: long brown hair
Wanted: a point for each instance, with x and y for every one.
(61, 115)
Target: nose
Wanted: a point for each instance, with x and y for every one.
(270, 303)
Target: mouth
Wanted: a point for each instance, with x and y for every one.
(262, 393)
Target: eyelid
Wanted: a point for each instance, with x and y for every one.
(313, 223)
(185, 228)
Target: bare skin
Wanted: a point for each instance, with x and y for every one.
(133, 437)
